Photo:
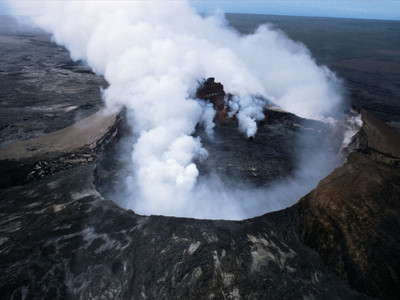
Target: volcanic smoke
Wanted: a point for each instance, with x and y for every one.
(153, 55)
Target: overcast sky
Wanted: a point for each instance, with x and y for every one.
(361, 9)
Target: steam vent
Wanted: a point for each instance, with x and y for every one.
(63, 237)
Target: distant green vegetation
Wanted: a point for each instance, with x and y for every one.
(330, 39)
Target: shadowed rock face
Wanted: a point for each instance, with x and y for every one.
(214, 92)
(352, 219)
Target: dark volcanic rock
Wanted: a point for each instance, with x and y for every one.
(41, 88)
(212, 91)
(60, 239)
(353, 217)
(272, 154)
(373, 85)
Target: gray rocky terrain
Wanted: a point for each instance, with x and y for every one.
(41, 88)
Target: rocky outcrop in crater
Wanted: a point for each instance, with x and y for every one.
(272, 154)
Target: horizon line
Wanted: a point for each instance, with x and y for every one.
(306, 16)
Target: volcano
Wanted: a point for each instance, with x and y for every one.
(63, 236)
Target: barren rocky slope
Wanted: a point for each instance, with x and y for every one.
(41, 88)
(352, 219)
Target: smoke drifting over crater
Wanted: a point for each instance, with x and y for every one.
(154, 54)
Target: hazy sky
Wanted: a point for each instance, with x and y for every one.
(360, 9)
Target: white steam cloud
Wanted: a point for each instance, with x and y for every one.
(153, 54)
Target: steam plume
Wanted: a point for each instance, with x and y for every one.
(153, 54)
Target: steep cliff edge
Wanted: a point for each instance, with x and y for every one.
(74, 145)
(352, 219)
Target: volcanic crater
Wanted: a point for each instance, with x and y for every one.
(61, 238)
